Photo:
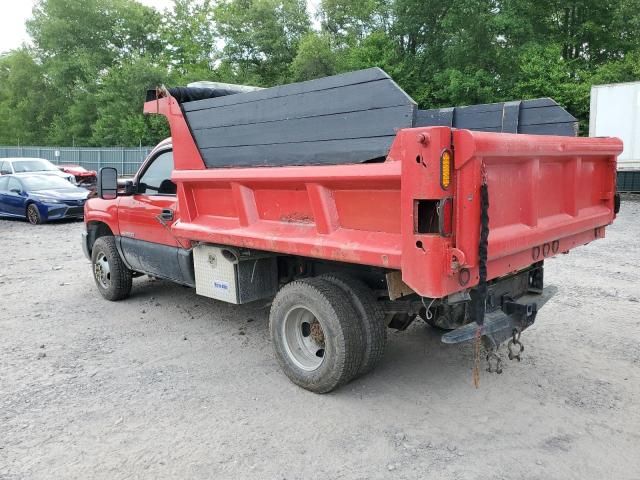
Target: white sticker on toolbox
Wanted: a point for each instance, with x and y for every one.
(220, 285)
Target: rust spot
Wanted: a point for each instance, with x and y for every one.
(296, 217)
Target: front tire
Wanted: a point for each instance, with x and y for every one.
(315, 335)
(112, 277)
(33, 214)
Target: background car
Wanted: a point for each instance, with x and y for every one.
(9, 166)
(40, 198)
(84, 178)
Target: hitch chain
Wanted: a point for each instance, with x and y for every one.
(479, 299)
(515, 346)
(494, 362)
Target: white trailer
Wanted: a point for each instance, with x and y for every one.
(615, 112)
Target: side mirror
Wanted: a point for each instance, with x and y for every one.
(108, 183)
(16, 190)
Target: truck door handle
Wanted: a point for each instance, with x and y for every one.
(167, 214)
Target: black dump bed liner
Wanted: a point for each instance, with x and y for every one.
(542, 116)
(342, 119)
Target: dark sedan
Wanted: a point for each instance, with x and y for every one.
(40, 198)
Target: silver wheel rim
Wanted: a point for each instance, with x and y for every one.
(303, 338)
(102, 271)
(32, 214)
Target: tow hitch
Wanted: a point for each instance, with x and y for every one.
(509, 321)
(500, 324)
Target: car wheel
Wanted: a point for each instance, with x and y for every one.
(33, 214)
(112, 277)
(315, 334)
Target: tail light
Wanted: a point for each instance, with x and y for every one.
(446, 160)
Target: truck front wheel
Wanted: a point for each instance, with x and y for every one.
(315, 334)
(112, 277)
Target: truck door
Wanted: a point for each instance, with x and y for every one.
(145, 220)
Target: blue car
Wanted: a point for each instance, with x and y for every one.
(40, 198)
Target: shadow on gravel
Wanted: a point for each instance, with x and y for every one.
(64, 221)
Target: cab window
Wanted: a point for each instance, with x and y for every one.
(5, 168)
(156, 179)
(4, 181)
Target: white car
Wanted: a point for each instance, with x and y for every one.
(9, 166)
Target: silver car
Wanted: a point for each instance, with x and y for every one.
(9, 166)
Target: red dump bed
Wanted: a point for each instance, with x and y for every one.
(547, 195)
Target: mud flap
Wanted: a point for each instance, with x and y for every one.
(499, 325)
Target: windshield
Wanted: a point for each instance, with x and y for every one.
(45, 183)
(33, 166)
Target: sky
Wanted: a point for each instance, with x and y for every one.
(16, 12)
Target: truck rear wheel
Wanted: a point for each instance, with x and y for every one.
(373, 328)
(112, 277)
(315, 334)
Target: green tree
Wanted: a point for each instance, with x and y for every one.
(120, 121)
(25, 99)
(83, 81)
(315, 58)
(588, 31)
(77, 39)
(188, 32)
(351, 21)
(77, 42)
(261, 37)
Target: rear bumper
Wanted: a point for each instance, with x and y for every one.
(499, 325)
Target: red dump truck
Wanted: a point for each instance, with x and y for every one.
(355, 212)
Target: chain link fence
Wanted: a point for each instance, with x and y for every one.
(126, 160)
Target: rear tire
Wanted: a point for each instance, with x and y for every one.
(33, 214)
(112, 277)
(372, 318)
(315, 335)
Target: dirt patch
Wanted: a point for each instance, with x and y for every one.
(297, 217)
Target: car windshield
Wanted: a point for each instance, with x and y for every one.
(33, 166)
(43, 182)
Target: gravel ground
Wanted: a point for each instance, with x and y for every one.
(171, 385)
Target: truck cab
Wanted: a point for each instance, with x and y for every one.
(141, 218)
